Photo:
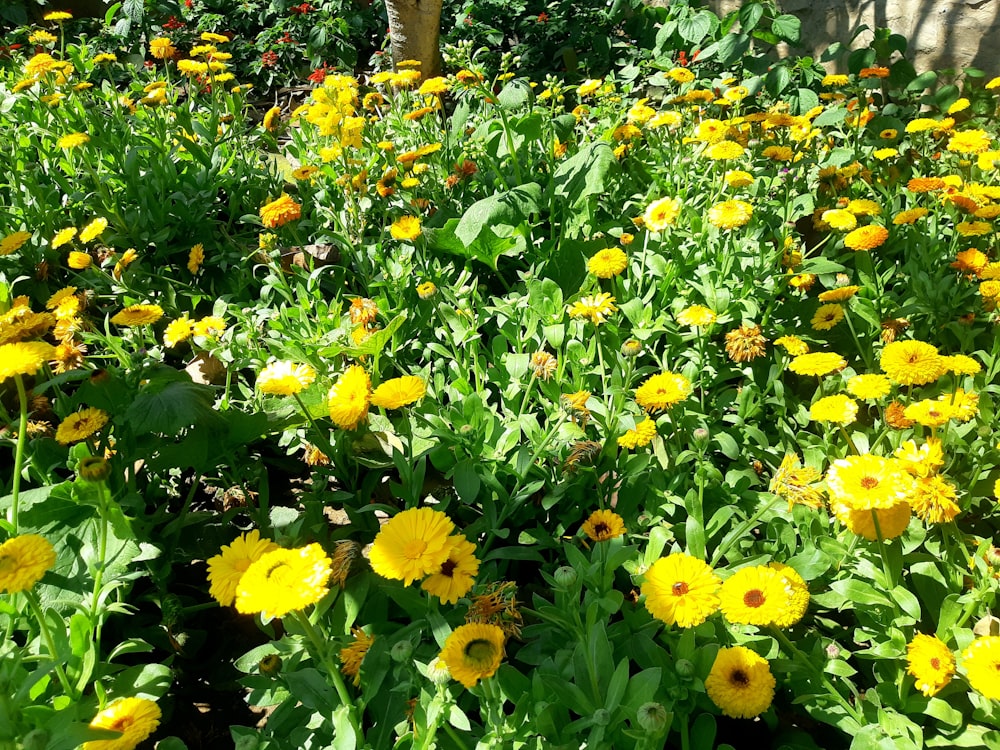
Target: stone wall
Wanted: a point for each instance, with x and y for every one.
(941, 33)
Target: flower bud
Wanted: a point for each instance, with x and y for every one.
(652, 717)
(631, 348)
(700, 435)
(401, 650)
(438, 672)
(684, 668)
(93, 469)
(565, 576)
(270, 664)
(601, 717)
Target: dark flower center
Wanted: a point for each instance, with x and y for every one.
(121, 723)
(753, 598)
(739, 677)
(448, 568)
(479, 651)
(601, 529)
(679, 589)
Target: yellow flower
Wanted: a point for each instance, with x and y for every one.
(641, 436)
(595, 308)
(754, 595)
(399, 392)
(740, 683)
(603, 525)
(969, 142)
(793, 345)
(162, 48)
(912, 362)
(737, 178)
(93, 230)
(280, 211)
(79, 261)
(840, 294)
(724, 149)
(473, 652)
(835, 79)
(796, 596)
(24, 560)
(697, 316)
(138, 315)
(405, 228)
(746, 343)
(13, 242)
(272, 120)
(817, 363)
(982, 666)
(661, 214)
(588, 87)
(793, 483)
(933, 500)
(177, 331)
(867, 237)
(607, 263)
(929, 412)
(135, 718)
(227, 568)
(869, 386)
(209, 326)
(283, 581)
(930, 662)
(923, 461)
(826, 317)
(58, 16)
(72, 140)
(838, 409)
(457, 574)
(910, 216)
(195, 258)
(353, 655)
(63, 236)
(23, 358)
(868, 482)
(839, 219)
(681, 75)
(426, 290)
(730, 214)
(681, 589)
(660, 392)
(412, 544)
(349, 398)
(285, 378)
(81, 425)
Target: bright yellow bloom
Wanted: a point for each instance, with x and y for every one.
(412, 544)
(595, 308)
(661, 214)
(730, 214)
(607, 263)
(81, 425)
(285, 378)
(838, 409)
(135, 718)
(740, 683)
(982, 666)
(457, 573)
(93, 230)
(660, 392)
(603, 525)
(227, 568)
(405, 228)
(24, 560)
(681, 589)
(868, 482)
(930, 662)
(399, 392)
(280, 211)
(138, 315)
(283, 581)
(195, 258)
(473, 652)
(912, 362)
(349, 398)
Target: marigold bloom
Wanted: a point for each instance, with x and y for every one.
(969, 142)
(793, 345)
(457, 573)
(838, 409)
(661, 214)
(929, 412)
(280, 211)
(794, 483)
(79, 261)
(839, 219)
(641, 436)
(730, 214)
(195, 258)
(81, 425)
(285, 378)
(681, 589)
(63, 236)
(603, 525)
(412, 544)
(740, 683)
(352, 655)
(284, 580)
(817, 363)
(746, 343)
(13, 242)
(724, 149)
(399, 392)
(827, 316)
(162, 48)
(543, 365)
(473, 652)
(982, 666)
(72, 140)
(930, 662)
(596, 308)
(349, 398)
(910, 216)
(971, 261)
(736, 178)
(867, 237)
(138, 315)
(177, 331)
(23, 358)
(696, 316)
(660, 392)
(868, 482)
(923, 461)
(135, 718)
(796, 596)
(227, 568)
(892, 520)
(272, 120)
(24, 560)
(405, 228)
(607, 263)
(912, 362)
(869, 386)
(754, 595)
(934, 499)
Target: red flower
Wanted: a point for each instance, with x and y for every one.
(269, 59)
(187, 3)
(286, 39)
(173, 24)
(318, 75)
(543, 17)
(301, 9)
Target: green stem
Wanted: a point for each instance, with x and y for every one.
(336, 678)
(322, 438)
(727, 543)
(455, 737)
(685, 733)
(43, 626)
(886, 568)
(804, 660)
(22, 437)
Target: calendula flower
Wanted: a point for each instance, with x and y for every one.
(641, 436)
(839, 219)
(838, 409)
(921, 461)
(63, 236)
(543, 365)
(696, 316)
(349, 398)
(982, 666)
(58, 16)
(135, 718)
(284, 580)
(13, 242)
(740, 683)
(227, 568)
(912, 362)
(177, 331)
(280, 211)
(596, 308)
(399, 392)
(81, 425)
(681, 589)
(793, 345)
(930, 662)
(24, 560)
(730, 214)
(867, 237)
(868, 482)
(412, 544)
(754, 595)
(969, 142)
(195, 258)
(79, 261)
(138, 315)
(23, 358)
(934, 499)
(794, 483)
(607, 263)
(661, 214)
(660, 392)
(405, 228)
(457, 574)
(724, 149)
(72, 140)
(840, 294)
(426, 290)
(285, 378)
(869, 386)
(827, 316)
(272, 120)
(473, 652)
(209, 326)
(796, 596)
(746, 343)
(603, 525)
(351, 656)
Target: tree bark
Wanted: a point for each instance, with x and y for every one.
(415, 32)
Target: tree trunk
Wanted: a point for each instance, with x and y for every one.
(415, 31)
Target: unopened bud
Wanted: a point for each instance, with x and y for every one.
(438, 671)
(652, 717)
(93, 469)
(565, 576)
(602, 717)
(401, 651)
(684, 668)
(270, 664)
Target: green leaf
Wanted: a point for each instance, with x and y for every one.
(788, 28)
(585, 173)
(168, 406)
(513, 95)
(698, 26)
(830, 117)
(310, 687)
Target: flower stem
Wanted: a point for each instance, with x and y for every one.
(22, 436)
(333, 673)
(804, 660)
(43, 626)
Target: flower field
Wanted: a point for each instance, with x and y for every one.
(495, 409)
